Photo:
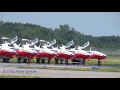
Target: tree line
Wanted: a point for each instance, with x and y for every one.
(63, 34)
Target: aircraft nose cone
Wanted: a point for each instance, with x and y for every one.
(104, 56)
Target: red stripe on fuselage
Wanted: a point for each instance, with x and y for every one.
(46, 54)
(7, 54)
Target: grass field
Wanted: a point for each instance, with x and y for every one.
(108, 65)
(111, 64)
(110, 61)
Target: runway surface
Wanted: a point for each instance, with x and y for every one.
(12, 69)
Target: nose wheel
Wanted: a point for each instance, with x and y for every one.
(83, 62)
(66, 61)
(99, 62)
(56, 61)
(19, 60)
(48, 61)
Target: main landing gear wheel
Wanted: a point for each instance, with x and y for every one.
(56, 61)
(19, 60)
(38, 60)
(24, 60)
(29, 61)
(48, 61)
(61, 61)
(43, 60)
(7, 60)
(99, 62)
(83, 62)
(73, 61)
(66, 62)
(4, 60)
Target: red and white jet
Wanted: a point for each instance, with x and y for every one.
(63, 54)
(95, 54)
(25, 52)
(6, 52)
(80, 55)
(45, 53)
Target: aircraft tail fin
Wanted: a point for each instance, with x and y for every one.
(78, 47)
(91, 49)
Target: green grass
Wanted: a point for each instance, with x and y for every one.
(23, 76)
(109, 65)
(101, 69)
(110, 61)
(114, 62)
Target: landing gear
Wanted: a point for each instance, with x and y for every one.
(19, 60)
(29, 61)
(66, 61)
(24, 60)
(56, 61)
(99, 62)
(83, 62)
(38, 60)
(73, 60)
(48, 61)
(7, 60)
(79, 61)
(61, 61)
(43, 60)
(4, 60)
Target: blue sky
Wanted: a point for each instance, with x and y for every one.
(89, 23)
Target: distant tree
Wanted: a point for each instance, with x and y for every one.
(63, 34)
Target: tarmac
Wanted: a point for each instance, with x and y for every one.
(13, 69)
